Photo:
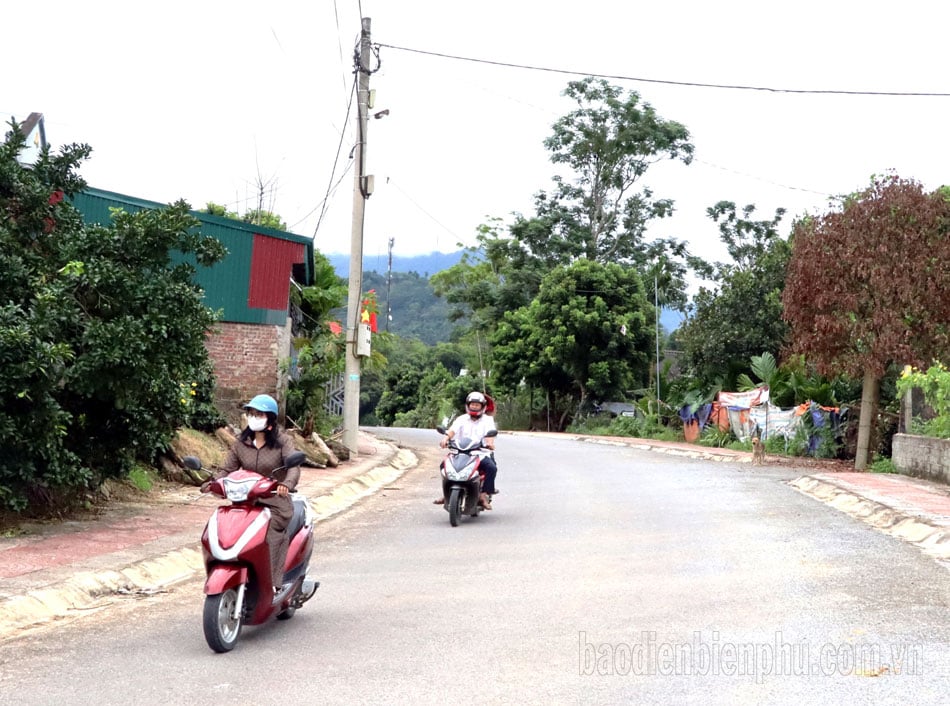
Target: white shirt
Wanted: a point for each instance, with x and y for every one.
(464, 427)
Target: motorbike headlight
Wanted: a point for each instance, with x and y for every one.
(237, 490)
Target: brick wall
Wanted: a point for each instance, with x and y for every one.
(246, 361)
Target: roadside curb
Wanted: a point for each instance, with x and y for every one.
(90, 591)
(346, 495)
(932, 539)
(707, 455)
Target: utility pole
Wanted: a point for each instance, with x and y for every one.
(656, 306)
(361, 191)
(389, 286)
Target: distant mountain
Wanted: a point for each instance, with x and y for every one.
(423, 265)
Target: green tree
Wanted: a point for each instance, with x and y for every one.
(257, 216)
(597, 212)
(319, 352)
(742, 317)
(868, 287)
(608, 143)
(588, 333)
(102, 341)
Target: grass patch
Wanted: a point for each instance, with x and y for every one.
(140, 477)
(883, 465)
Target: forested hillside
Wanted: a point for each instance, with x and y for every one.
(416, 311)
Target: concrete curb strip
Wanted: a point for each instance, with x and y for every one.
(934, 540)
(708, 455)
(346, 495)
(89, 590)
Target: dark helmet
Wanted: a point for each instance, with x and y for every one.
(478, 397)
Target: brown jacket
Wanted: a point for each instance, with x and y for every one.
(264, 460)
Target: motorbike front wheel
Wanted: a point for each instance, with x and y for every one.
(221, 628)
(455, 506)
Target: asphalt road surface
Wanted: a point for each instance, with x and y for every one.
(604, 575)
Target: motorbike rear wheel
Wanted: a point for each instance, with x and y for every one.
(455, 506)
(221, 628)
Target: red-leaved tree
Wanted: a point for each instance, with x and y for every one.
(868, 285)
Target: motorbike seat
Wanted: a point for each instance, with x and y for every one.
(299, 518)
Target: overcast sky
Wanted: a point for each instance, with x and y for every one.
(204, 100)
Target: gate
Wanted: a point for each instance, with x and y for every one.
(334, 395)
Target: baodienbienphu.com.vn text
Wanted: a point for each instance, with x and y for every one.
(711, 654)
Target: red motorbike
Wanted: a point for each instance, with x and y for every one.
(238, 589)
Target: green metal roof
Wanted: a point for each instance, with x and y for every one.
(226, 284)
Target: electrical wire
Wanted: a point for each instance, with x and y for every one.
(336, 159)
(416, 204)
(336, 16)
(766, 181)
(693, 84)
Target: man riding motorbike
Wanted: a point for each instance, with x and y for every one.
(474, 425)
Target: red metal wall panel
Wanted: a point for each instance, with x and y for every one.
(272, 261)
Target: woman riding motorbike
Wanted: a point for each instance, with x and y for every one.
(262, 447)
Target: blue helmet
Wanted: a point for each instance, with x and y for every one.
(263, 403)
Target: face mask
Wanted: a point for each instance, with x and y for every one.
(257, 423)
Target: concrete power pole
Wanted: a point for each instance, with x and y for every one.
(361, 189)
(389, 286)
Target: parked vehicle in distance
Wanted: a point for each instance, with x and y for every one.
(617, 409)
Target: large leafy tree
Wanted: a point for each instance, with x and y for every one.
(868, 286)
(608, 143)
(600, 210)
(587, 333)
(597, 210)
(101, 331)
(742, 316)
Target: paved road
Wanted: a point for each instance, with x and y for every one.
(604, 575)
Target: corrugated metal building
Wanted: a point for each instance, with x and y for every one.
(251, 286)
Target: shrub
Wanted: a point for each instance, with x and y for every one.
(934, 383)
(99, 331)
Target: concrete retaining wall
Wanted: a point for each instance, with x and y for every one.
(922, 456)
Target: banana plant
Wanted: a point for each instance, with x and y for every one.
(765, 368)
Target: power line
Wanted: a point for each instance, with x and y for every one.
(336, 159)
(693, 84)
(323, 201)
(757, 178)
(339, 43)
(417, 205)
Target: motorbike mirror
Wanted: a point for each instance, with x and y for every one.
(491, 432)
(295, 459)
(192, 462)
(440, 429)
